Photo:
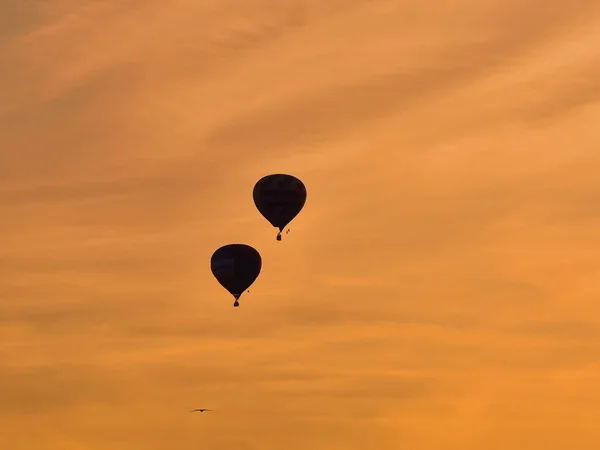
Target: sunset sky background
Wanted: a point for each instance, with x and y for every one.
(439, 291)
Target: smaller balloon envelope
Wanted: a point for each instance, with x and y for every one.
(236, 267)
(279, 198)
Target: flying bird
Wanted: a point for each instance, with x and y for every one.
(201, 410)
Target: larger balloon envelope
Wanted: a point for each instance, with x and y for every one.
(279, 198)
(236, 267)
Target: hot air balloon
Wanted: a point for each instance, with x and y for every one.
(236, 267)
(279, 198)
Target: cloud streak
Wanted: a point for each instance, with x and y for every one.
(437, 291)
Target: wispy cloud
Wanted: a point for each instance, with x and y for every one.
(437, 291)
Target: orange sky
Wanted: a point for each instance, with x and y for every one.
(438, 291)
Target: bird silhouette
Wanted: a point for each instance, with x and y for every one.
(200, 410)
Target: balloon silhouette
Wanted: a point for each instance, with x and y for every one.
(279, 198)
(236, 267)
